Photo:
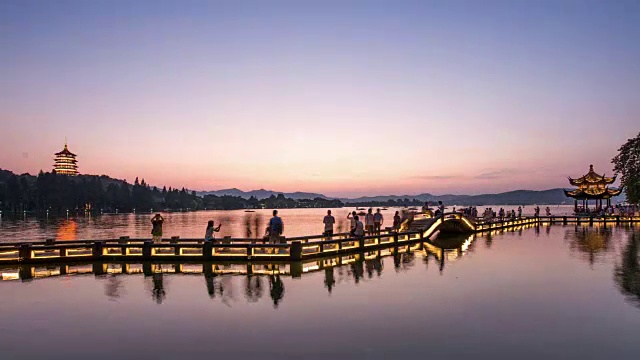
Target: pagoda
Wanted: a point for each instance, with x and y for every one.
(65, 162)
(592, 186)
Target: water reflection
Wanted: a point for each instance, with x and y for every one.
(252, 280)
(627, 273)
(68, 230)
(253, 288)
(590, 243)
(113, 287)
(158, 294)
(276, 289)
(329, 280)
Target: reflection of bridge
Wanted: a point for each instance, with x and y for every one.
(296, 249)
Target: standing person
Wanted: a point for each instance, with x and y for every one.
(328, 221)
(441, 207)
(352, 219)
(378, 219)
(519, 212)
(358, 229)
(368, 221)
(276, 228)
(548, 211)
(209, 233)
(156, 230)
(397, 221)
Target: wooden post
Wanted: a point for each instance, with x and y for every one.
(63, 252)
(617, 219)
(249, 251)
(25, 273)
(295, 251)
(174, 241)
(395, 238)
(99, 269)
(590, 220)
(97, 250)
(147, 269)
(564, 220)
(296, 267)
(49, 241)
(24, 252)
(207, 250)
(146, 249)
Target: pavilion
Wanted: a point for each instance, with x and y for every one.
(592, 186)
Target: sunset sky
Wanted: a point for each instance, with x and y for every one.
(345, 98)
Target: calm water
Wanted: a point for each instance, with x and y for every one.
(298, 222)
(559, 292)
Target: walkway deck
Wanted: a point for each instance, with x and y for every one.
(293, 249)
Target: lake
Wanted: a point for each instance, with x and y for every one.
(235, 223)
(548, 292)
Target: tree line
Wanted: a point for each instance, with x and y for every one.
(57, 194)
(228, 202)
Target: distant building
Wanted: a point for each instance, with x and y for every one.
(592, 186)
(65, 162)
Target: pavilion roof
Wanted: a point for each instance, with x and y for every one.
(593, 193)
(592, 178)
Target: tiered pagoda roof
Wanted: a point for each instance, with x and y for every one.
(66, 152)
(592, 186)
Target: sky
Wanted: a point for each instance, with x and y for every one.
(345, 98)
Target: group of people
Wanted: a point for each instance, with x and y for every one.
(372, 223)
(615, 210)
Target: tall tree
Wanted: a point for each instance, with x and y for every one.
(627, 163)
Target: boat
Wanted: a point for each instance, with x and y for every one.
(249, 211)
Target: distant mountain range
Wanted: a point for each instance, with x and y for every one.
(262, 194)
(517, 197)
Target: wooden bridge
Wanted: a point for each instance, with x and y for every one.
(421, 228)
(449, 249)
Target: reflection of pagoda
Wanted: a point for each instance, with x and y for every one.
(592, 243)
(592, 187)
(65, 162)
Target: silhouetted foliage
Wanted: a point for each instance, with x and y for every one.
(627, 274)
(627, 163)
(228, 202)
(59, 193)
